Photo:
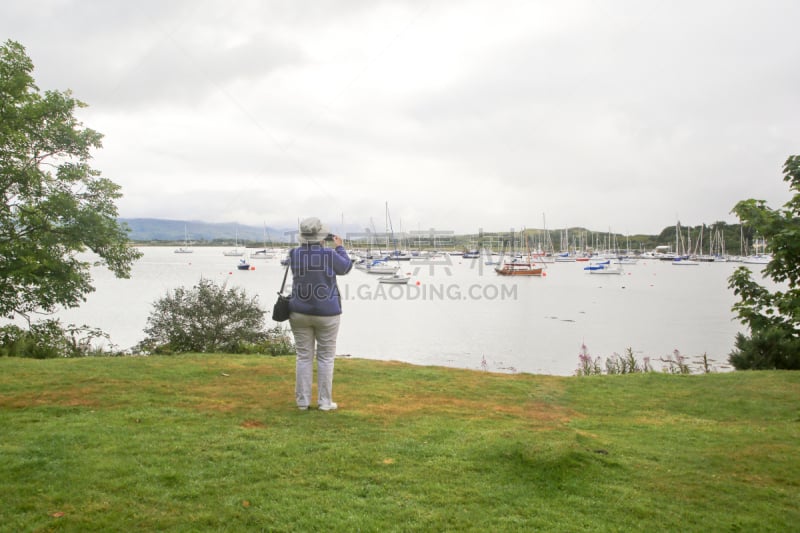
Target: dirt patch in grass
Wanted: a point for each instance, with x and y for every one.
(78, 397)
(253, 424)
(230, 394)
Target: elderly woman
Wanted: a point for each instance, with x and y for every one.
(316, 308)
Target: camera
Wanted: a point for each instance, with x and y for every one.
(330, 237)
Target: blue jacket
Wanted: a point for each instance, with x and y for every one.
(314, 270)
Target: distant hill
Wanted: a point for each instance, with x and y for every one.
(224, 233)
(157, 229)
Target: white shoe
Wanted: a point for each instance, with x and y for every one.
(303, 407)
(329, 407)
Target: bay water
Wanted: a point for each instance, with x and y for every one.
(458, 312)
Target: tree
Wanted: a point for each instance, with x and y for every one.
(54, 204)
(772, 317)
(211, 318)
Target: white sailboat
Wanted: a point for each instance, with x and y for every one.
(759, 255)
(377, 267)
(395, 279)
(682, 255)
(235, 252)
(606, 270)
(264, 253)
(185, 249)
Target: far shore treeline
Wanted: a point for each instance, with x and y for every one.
(737, 239)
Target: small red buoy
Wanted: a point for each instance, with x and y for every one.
(544, 274)
(417, 283)
(252, 267)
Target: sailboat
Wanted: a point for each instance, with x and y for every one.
(604, 269)
(518, 269)
(522, 266)
(395, 279)
(264, 253)
(376, 266)
(395, 254)
(682, 257)
(235, 252)
(758, 257)
(185, 249)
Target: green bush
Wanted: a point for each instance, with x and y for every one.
(766, 349)
(48, 339)
(211, 318)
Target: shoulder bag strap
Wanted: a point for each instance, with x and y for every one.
(285, 273)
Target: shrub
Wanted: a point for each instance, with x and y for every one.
(766, 349)
(211, 318)
(48, 339)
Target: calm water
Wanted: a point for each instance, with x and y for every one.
(458, 312)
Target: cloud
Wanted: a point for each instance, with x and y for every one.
(459, 114)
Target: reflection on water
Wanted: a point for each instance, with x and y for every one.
(458, 312)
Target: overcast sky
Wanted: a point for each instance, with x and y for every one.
(621, 115)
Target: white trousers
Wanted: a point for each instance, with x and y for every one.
(314, 335)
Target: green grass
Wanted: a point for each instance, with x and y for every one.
(214, 443)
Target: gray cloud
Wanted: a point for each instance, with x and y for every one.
(460, 114)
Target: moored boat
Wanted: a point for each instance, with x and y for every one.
(398, 255)
(756, 259)
(395, 279)
(605, 270)
(593, 268)
(262, 254)
(519, 269)
(377, 267)
(185, 249)
(235, 252)
(519, 264)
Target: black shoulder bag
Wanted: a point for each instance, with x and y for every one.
(280, 311)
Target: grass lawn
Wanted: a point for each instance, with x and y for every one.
(215, 443)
